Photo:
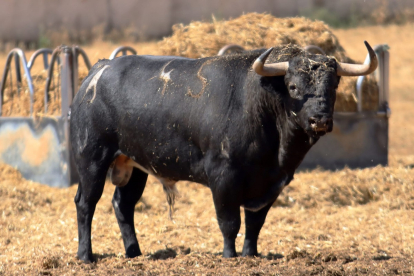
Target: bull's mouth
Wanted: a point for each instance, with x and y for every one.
(319, 127)
(316, 134)
(317, 131)
(316, 128)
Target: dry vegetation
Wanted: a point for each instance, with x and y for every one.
(348, 222)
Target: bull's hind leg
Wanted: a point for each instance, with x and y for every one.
(92, 174)
(124, 201)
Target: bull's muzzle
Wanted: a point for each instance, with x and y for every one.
(321, 125)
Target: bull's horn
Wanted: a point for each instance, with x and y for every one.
(346, 69)
(269, 70)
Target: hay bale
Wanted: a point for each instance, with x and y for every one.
(253, 30)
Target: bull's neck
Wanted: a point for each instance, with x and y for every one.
(294, 144)
(270, 119)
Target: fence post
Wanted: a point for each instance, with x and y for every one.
(66, 56)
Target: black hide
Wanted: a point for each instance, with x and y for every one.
(213, 121)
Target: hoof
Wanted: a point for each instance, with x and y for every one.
(133, 252)
(229, 254)
(87, 259)
(250, 253)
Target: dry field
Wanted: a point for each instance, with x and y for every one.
(349, 222)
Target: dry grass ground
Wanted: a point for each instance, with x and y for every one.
(349, 222)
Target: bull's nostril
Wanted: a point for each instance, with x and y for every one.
(320, 125)
(312, 120)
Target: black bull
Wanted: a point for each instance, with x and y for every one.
(237, 124)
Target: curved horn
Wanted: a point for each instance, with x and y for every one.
(346, 69)
(269, 70)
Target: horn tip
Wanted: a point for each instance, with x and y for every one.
(264, 56)
(367, 45)
(268, 51)
(370, 50)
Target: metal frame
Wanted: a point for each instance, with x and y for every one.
(382, 77)
(50, 133)
(124, 50)
(38, 148)
(18, 55)
(44, 52)
(68, 57)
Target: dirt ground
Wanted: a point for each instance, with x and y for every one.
(348, 222)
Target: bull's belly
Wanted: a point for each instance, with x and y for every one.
(168, 170)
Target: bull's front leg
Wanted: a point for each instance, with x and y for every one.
(227, 203)
(256, 211)
(254, 222)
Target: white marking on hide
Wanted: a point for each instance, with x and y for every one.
(94, 81)
(166, 76)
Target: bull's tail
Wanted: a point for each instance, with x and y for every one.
(171, 192)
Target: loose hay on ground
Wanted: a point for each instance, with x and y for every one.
(338, 221)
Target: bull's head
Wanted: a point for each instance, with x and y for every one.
(311, 81)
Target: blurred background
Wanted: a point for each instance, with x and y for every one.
(31, 24)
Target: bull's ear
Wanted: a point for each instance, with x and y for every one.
(274, 85)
